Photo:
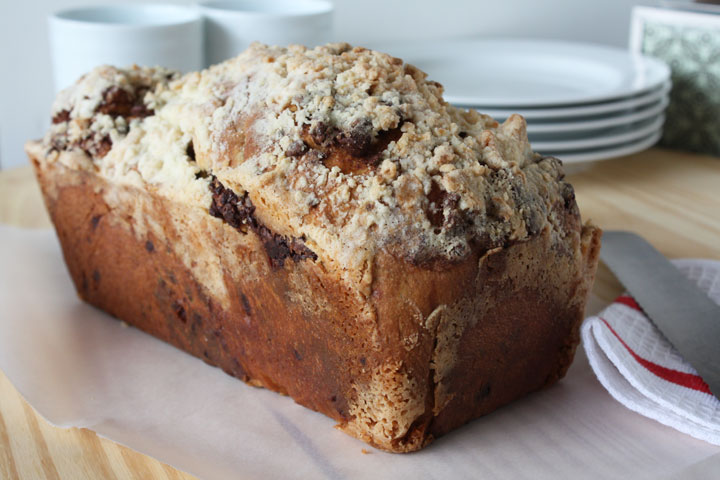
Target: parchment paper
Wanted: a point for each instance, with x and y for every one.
(79, 367)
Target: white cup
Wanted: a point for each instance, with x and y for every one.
(232, 25)
(122, 35)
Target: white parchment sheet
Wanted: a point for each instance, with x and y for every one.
(79, 367)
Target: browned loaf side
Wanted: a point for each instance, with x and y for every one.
(403, 349)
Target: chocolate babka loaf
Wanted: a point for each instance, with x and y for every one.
(320, 222)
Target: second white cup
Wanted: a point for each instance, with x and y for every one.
(232, 25)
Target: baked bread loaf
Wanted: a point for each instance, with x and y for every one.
(321, 223)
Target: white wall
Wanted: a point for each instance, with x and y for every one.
(26, 83)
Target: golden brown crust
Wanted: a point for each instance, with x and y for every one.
(431, 348)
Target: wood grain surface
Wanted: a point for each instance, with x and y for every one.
(671, 198)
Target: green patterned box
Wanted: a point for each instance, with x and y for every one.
(689, 42)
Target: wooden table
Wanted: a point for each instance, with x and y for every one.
(671, 198)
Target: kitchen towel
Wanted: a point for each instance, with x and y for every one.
(643, 371)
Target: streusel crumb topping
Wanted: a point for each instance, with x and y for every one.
(349, 149)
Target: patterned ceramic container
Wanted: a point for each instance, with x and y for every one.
(689, 41)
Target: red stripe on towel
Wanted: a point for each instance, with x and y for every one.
(629, 301)
(687, 380)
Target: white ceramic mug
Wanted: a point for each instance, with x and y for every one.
(232, 25)
(121, 35)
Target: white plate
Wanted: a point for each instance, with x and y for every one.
(591, 155)
(580, 110)
(539, 127)
(614, 137)
(530, 73)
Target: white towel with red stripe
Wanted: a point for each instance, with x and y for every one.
(640, 368)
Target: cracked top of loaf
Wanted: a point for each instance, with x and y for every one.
(345, 149)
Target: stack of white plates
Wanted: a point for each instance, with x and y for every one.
(582, 102)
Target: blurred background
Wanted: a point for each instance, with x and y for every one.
(26, 91)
